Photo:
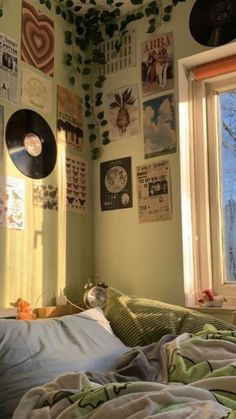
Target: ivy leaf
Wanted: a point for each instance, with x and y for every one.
(168, 9)
(79, 58)
(71, 17)
(135, 2)
(139, 15)
(166, 18)
(96, 152)
(85, 86)
(92, 137)
(69, 3)
(77, 9)
(68, 38)
(48, 4)
(68, 59)
(105, 141)
(86, 71)
(104, 122)
(72, 80)
(105, 134)
(98, 102)
(151, 29)
(119, 4)
(91, 126)
(100, 115)
(63, 13)
(87, 113)
(58, 10)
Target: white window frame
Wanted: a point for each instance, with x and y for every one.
(197, 250)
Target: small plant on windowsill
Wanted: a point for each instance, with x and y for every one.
(84, 37)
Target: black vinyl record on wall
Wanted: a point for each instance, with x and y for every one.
(213, 22)
(31, 144)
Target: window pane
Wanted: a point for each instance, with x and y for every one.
(227, 103)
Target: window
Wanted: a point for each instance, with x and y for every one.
(207, 111)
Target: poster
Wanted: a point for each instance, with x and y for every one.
(37, 39)
(69, 118)
(159, 126)
(116, 184)
(12, 202)
(45, 196)
(1, 132)
(36, 91)
(8, 68)
(76, 184)
(157, 72)
(154, 191)
(123, 112)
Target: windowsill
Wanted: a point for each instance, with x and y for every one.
(226, 308)
(226, 312)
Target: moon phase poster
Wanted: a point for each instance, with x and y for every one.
(116, 184)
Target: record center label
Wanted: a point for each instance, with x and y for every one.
(33, 144)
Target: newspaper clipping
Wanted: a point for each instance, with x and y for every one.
(8, 68)
(154, 195)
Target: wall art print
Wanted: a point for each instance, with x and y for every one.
(76, 184)
(154, 191)
(157, 72)
(8, 68)
(37, 39)
(69, 118)
(12, 202)
(122, 107)
(116, 184)
(36, 91)
(45, 196)
(159, 126)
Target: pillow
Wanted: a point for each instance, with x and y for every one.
(141, 321)
(34, 352)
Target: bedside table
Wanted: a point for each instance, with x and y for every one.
(56, 311)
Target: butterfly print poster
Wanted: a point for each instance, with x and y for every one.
(45, 196)
(76, 184)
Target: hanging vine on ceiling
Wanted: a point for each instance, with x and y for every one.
(84, 38)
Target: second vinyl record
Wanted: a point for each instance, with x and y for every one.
(213, 22)
(31, 144)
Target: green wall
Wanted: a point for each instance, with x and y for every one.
(55, 249)
(144, 258)
(140, 258)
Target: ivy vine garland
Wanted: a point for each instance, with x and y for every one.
(84, 39)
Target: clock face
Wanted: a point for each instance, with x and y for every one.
(96, 297)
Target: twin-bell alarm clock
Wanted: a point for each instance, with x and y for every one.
(95, 295)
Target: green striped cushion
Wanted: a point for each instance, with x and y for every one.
(141, 321)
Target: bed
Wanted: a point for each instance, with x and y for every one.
(139, 359)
